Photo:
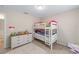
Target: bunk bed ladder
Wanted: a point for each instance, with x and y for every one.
(47, 41)
(51, 44)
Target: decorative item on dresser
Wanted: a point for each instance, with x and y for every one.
(18, 40)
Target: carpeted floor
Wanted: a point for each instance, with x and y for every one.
(28, 49)
(38, 47)
(57, 48)
(3, 51)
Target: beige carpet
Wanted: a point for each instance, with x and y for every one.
(38, 47)
(3, 51)
(28, 49)
(57, 48)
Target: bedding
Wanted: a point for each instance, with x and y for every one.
(47, 24)
(42, 32)
(42, 38)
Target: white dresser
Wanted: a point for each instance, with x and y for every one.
(20, 40)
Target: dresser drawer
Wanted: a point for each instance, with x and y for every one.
(17, 39)
(15, 45)
(20, 40)
(18, 43)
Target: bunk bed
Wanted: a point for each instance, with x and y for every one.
(46, 32)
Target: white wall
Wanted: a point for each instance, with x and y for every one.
(68, 26)
(20, 21)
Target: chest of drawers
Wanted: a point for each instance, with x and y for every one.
(20, 40)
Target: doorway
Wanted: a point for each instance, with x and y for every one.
(1, 33)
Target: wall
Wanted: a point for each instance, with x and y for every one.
(68, 26)
(20, 21)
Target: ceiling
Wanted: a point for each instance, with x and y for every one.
(47, 11)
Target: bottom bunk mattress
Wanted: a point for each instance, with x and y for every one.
(43, 38)
(38, 36)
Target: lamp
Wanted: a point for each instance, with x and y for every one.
(40, 7)
(1, 16)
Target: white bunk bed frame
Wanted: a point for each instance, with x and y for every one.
(51, 38)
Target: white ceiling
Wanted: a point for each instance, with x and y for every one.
(48, 11)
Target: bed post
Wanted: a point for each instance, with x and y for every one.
(51, 37)
(45, 32)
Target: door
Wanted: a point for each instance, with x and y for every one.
(1, 33)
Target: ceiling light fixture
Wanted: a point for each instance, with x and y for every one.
(40, 7)
(1, 16)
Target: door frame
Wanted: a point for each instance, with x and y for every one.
(4, 32)
(5, 38)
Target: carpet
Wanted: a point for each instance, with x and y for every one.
(28, 49)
